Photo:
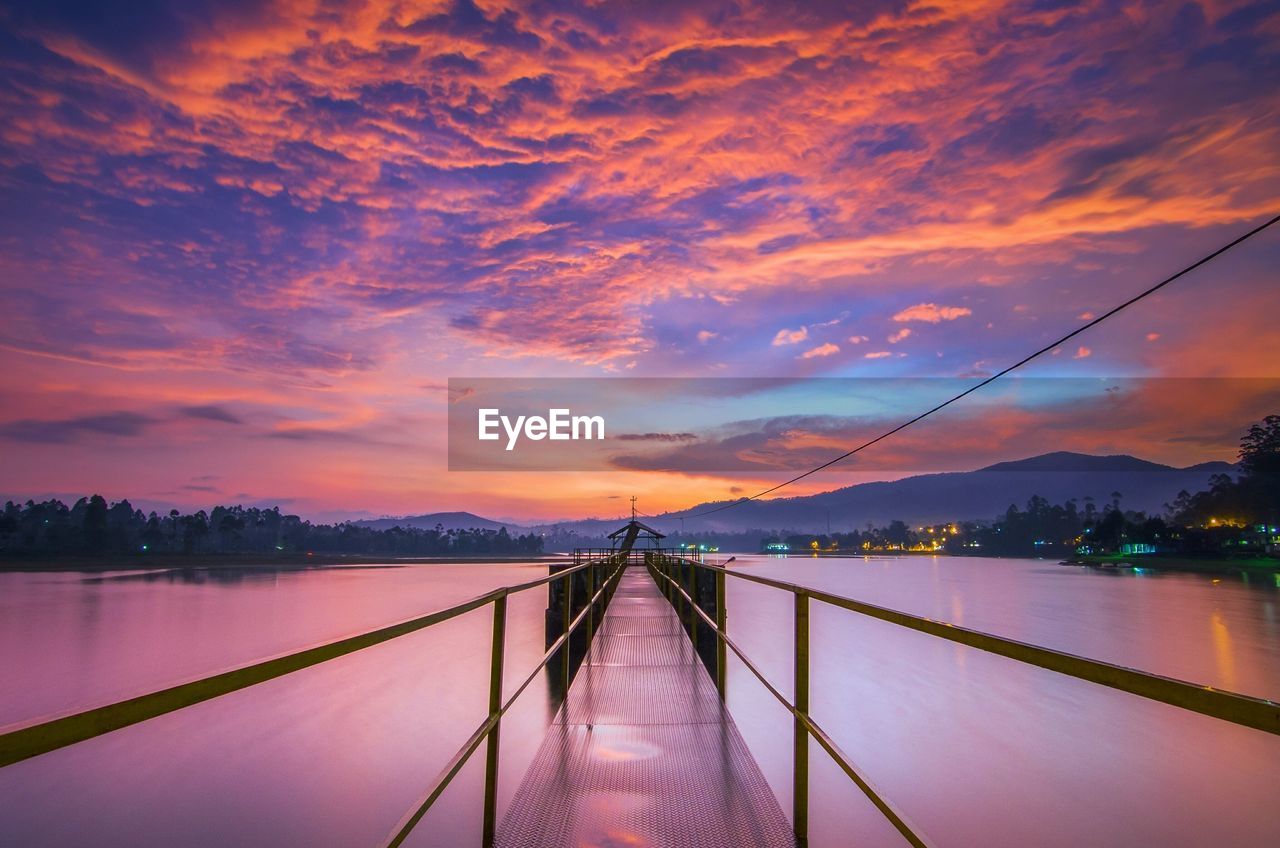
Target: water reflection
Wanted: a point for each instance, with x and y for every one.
(965, 742)
(961, 739)
(1222, 649)
(230, 575)
(332, 755)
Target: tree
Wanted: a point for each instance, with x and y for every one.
(1111, 529)
(95, 524)
(1260, 447)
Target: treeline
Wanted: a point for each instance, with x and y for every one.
(92, 527)
(1234, 515)
(1058, 530)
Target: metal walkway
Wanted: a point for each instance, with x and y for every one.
(643, 752)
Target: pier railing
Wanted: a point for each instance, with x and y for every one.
(601, 576)
(678, 576)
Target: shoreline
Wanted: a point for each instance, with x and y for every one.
(1155, 562)
(1190, 564)
(285, 561)
(1205, 565)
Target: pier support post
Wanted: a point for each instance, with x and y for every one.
(568, 619)
(591, 611)
(693, 602)
(800, 772)
(495, 706)
(721, 653)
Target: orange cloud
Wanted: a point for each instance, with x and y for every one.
(821, 350)
(786, 337)
(932, 313)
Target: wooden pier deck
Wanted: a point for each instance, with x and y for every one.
(643, 752)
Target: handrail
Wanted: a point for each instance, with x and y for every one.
(406, 824)
(32, 739)
(1251, 712)
(1257, 713)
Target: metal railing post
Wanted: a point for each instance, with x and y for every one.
(591, 604)
(495, 710)
(693, 600)
(568, 617)
(721, 653)
(800, 772)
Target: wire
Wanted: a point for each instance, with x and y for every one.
(1096, 321)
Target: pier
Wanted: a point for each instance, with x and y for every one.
(643, 750)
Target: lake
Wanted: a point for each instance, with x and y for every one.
(976, 749)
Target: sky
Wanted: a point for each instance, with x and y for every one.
(247, 245)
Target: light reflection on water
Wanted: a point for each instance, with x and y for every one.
(976, 749)
(331, 755)
(980, 750)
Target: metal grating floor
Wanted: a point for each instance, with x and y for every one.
(643, 752)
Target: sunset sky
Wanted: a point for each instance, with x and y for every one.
(245, 245)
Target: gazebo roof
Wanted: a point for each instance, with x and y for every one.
(640, 528)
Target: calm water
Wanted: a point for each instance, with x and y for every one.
(976, 749)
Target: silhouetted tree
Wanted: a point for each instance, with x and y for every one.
(1260, 447)
(95, 524)
(94, 528)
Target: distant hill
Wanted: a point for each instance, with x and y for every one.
(965, 495)
(1076, 462)
(447, 520)
(927, 498)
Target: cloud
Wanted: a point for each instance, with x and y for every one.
(821, 350)
(655, 437)
(858, 339)
(1151, 337)
(786, 337)
(705, 336)
(1082, 352)
(315, 208)
(990, 430)
(209, 412)
(831, 322)
(119, 424)
(900, 335)
(877, 354)
(932, 313)
(314, 434)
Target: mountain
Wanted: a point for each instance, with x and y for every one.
(925, 499)
(964, 495)
(448, 520)
(1075, 462)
